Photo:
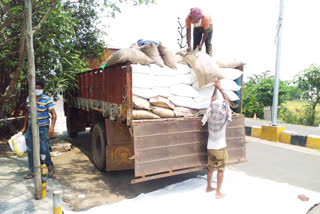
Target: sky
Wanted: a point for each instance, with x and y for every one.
(244, 30)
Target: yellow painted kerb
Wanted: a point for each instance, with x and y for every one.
(271, 133)
(256, 132)
(285, 137)
(313, 142)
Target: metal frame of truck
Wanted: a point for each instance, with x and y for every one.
(154, 148)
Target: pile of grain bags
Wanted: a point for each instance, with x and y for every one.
(164, 88)
(174, 93)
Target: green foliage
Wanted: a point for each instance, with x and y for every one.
(301, 116)
(258, 93)
(287, 116)
(309, 81)
(63, 44)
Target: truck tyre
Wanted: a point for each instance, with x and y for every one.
(69, 130)
(99, 145)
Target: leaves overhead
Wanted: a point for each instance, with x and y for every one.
(66, 35)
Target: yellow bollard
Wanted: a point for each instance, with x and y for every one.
(255, 116)
(44, 180)
(57, 200)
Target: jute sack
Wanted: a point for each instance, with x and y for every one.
(160, 91)
(204, 67)
(184, 90)
(230, 73)
(232, 96)
(151, 50)
(140, 103)
(229, 63)
(129, 54)
(143, 92)
(134, 45)
(169, 58)
(184, 112)
(163, 112)
(183, 101)
(162, 102)
(143, 114)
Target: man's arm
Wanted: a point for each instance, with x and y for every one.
(53, 122)
(214, 95)
(204, 37)
(217, 84)
(23, 130)
(189, 39)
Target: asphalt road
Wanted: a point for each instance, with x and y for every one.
(295, 165)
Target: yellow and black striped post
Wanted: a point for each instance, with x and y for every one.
(57, 202)
(43, 176)
(44, 180)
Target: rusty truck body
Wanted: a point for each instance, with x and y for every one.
(154, 148)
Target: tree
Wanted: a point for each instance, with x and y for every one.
(309, 80)
(65, 36)
(258, 93)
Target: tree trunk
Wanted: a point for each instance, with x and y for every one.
(32, 98)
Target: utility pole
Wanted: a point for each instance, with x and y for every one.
(32, 98)
(276, 76)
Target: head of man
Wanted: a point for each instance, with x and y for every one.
(195, 14)
(39, 88)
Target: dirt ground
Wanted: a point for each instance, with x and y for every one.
(89, 187)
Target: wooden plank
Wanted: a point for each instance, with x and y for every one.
(171, 151)
(167, 139)
(165, 165)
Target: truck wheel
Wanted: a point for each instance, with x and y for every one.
(99, 146)
(69, 130)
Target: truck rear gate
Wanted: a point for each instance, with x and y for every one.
(165, 147)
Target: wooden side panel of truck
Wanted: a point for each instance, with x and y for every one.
(153, 148)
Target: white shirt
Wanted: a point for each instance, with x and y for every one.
(216, 140)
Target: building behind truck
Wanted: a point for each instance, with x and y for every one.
(154, 148)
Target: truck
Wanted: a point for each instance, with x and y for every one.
(153, 148)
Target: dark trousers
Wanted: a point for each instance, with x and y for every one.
(197, 36)
(44, 146)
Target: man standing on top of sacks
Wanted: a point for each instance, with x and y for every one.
(218, 116)
(202, 30)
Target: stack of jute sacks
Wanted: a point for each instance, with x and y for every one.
(167, 85)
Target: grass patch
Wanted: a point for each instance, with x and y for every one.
(297, 106)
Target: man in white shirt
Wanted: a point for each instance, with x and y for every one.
(218, 116)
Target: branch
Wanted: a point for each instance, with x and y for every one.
(9, 21)
(6, 8)
(10, 16)
(8, 41)
(53, 5)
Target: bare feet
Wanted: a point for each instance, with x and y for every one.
(210, 189)
(220, 195)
